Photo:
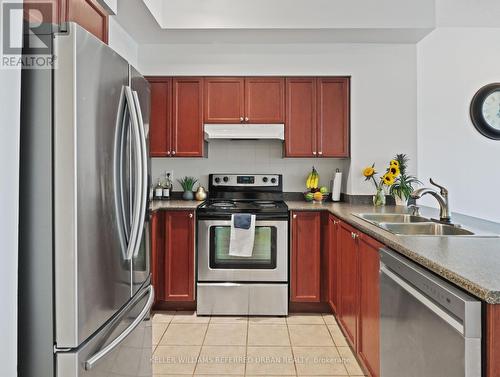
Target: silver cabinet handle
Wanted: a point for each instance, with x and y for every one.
(168, 152)
(173, 153)
(294, 216)
(320, 153)
(90, 363)
(241, 119)
(314, 153)
(190, 215)
(354, 235)
(246, 119)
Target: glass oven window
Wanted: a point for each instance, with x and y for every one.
(263, 255)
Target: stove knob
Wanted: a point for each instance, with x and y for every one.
(217, 179)
(273, 180)
(226, 179)
(265, 179)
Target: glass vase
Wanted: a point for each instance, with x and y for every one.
(379, 198)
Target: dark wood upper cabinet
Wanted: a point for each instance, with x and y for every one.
(369, 306)
(187, 117)
(333, 116)
(305, 264)
(178, 278)
(161, 116)
(349, 281)
(89, 14)
(224, 99)
(264, 100)
(300, 120)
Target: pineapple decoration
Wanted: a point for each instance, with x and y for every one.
(314, 191)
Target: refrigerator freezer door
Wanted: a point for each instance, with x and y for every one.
(141, 258)
(92, 277)
(122, 348)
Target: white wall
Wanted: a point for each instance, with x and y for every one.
(453, 63)
(383, 91)
(10, 81)
(122, 42)
(292, 14)
(110, 5)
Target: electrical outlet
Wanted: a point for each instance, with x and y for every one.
(171, 172)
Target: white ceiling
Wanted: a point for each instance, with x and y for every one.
(276, 21)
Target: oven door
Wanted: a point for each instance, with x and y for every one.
(269, 260)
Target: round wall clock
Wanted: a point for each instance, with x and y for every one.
(485, 111)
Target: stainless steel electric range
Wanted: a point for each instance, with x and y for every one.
(255, 285)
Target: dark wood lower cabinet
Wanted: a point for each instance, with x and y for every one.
(172, 264)
(369, 304)
(492, 341)
(332, 248)
(305, 254)
(349, 282)
(157, 252)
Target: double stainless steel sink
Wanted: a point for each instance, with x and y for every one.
(410, 225)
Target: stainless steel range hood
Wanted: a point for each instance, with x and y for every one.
(245, 131)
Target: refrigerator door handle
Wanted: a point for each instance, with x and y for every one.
(144, 160)
(91, 362)
(134, 232)
(119, 147)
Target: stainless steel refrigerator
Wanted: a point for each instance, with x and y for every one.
(85, 291)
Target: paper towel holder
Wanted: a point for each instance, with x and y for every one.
(336, 185)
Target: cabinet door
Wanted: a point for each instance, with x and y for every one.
(305, 264)
(300, 120)
(369, 313)
(333, 117)
(333, 263)
(161, 115)
(187, 117)
(179, 256)
(224, 99)
(157, 253)
(89, 14)
(264, 100)
(349, 285)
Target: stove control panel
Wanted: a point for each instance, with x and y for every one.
(255, 180)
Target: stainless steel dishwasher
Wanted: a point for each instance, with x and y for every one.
(427, 326)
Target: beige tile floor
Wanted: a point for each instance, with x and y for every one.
(299, 345)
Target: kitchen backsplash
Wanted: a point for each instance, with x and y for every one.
(250, 156)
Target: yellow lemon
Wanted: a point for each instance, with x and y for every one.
(318, 196)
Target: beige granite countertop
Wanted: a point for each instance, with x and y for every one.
(472, 263)
(173, 204)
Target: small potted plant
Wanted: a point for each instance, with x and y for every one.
(187, 184)
(387, 179)
(404, 184)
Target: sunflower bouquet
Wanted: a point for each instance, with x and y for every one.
(404, 184)
(387, 180)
